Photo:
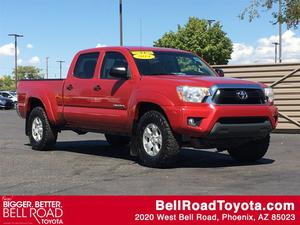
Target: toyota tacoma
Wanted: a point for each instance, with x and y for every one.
(155, 100)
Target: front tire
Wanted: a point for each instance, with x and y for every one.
(157, 145)
(251, 151)
(42, 135)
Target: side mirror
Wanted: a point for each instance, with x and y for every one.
(220, 72)
(118, 72)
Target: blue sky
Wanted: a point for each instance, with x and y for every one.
(59, 28)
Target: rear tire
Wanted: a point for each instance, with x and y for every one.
(156, 143)
(117, 140)
(251, 151)
(42, 135)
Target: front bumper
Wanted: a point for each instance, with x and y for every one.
(210, 114)
(240, 130)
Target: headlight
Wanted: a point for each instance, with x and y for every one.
(269, 95)
(192, 94)
(3, 102)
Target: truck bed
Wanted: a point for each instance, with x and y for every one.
(50, 89)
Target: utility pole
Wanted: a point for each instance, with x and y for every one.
(210, 22)
(47, 74)
(141, 32)
(16, 56)
(280, 30)
(60, 67)
(121, 22)
(275, 45)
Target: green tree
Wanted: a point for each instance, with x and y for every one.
(7, 83)
(29, 72)
(290, 11)
(209, 42)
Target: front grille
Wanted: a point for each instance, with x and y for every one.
(231, 96)
(241, 120)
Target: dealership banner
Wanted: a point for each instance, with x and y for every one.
(89, 210)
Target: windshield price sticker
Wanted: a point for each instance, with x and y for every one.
(143, 54)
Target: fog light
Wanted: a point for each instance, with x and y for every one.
(194, 121)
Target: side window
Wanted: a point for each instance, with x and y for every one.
(85, 65)
(113, 59)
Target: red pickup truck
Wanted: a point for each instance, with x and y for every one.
(155, 100)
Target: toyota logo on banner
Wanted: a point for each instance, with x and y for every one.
(242, 95)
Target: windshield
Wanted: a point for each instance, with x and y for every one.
(166, 63)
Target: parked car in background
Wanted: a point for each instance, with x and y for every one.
(6, 103)
(12, 95)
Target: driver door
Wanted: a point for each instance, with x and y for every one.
(115, 92)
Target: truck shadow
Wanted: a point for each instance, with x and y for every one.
(189, 158)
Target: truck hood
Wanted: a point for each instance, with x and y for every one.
(191, 80)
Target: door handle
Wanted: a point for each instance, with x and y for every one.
(97, 88)
(70, 87)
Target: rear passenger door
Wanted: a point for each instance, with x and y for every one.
(81, 92)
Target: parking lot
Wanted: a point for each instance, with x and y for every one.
(87, 165)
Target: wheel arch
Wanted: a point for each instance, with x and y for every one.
(145, 106)
(34, 102)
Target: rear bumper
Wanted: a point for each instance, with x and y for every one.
(211, 114)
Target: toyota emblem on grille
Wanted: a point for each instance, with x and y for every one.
(242, 94)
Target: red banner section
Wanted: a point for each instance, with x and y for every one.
(89, 210)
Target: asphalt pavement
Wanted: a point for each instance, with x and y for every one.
(87, 165)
